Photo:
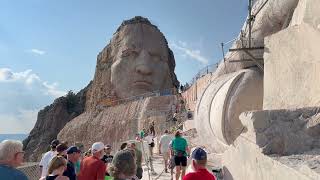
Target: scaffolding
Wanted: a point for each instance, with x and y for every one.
(247, 48)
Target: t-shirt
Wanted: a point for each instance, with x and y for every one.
(165, 141)
(107, 158)
(141, 134)
(92, 168)
(202, 174)
(149, 139)
(179, 144)
(70, 171)
(45, 160)
(10, 173)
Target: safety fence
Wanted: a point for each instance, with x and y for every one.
(202, 72)
(31, 170)
(109, 102)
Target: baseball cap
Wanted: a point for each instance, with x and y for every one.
(97, 146)
(73, 149)
(55, 143)
(199, 154)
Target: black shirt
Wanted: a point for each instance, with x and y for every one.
(70, 172)
(51, 177)
(107, 158)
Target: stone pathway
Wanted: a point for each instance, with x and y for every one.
(158, 166)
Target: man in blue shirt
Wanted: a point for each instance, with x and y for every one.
(11, 156)
(73, 156)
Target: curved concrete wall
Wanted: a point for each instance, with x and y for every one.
(218, 109)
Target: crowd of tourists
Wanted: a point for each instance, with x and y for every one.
(65, 162)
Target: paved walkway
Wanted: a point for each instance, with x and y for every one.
(158, 166)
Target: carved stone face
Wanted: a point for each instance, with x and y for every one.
(141, 61)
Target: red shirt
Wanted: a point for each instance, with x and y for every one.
(92, 168)
(202, 174)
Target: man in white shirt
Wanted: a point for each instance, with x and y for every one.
(149, 138)
(46, 158)
(164, 148)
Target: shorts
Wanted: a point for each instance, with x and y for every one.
(165, 155)
(180, 161)
(139, 172)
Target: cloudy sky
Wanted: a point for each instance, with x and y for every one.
(49, 47)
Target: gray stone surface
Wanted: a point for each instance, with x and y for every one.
(292, 68)
(283, 132)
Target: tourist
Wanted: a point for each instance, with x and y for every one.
(180, 149)
(107, 158)
(62, 150)
(133, 152)
(174, 118)
(150, 141)
(73, 154)
(11, 156)
(164, 148)
(47, 157)
(56, 167)
(138, 156)
(123, 165)
(123, 146)
(92, 168)
(151, 129)
(80, 146)
(199, 161)
(87, 153)
(142, 133)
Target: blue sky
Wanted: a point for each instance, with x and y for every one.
(48, 47)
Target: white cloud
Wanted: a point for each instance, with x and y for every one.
(188, 52)
(22, 95)
(51, 89)
(30, 79)
(21, 122)
(37, 51)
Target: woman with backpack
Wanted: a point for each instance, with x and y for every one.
(180, 152)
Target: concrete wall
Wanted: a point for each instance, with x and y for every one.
(195, 91)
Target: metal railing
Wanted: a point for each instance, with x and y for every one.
(165, 92)
(202, 72)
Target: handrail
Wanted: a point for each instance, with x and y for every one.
(165, 92)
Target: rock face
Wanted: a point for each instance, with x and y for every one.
(137, 61)
(116, 124)
(277, 144)
(51, 120)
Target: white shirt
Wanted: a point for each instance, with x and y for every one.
(46, 158)
(149, 139)
(165, 141)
